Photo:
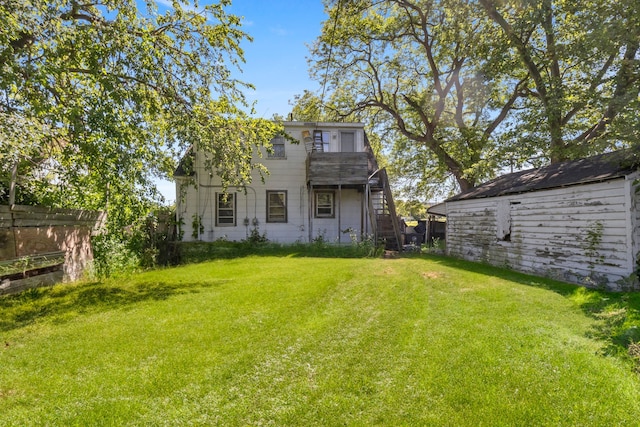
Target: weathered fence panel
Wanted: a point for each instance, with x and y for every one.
(29, 235)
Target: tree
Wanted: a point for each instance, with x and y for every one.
(455, 92)
(417, 63)
(120, 90)
(582, 60)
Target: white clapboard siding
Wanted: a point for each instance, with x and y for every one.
(285, 174)
(550, 231)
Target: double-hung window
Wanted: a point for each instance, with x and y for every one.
(277, 148)
(276, 206)
(225, 209)
(324, 206)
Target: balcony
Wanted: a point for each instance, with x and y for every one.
(337, 168)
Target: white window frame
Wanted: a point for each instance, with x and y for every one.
(328, 209)
(222, 205)
(277, 218)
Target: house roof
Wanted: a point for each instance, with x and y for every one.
(185, 166)
(437, 209)
(599, 168)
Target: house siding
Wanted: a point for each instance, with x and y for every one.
(553, 233)
(285, 174)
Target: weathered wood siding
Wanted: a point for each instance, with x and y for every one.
(578, 234)
(28, 232)
(337, 168)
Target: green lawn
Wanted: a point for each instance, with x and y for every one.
(317, 341)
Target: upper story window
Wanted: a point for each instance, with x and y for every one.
(276, 206)
(348, 142)
(277, 150)
(321, 140)
(225, 209)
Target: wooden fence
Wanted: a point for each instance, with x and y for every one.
(41, 246)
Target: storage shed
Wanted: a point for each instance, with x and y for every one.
(576, 221)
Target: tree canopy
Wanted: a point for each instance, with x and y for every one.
(463, 89)
(97, 98)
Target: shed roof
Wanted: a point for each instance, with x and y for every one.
(603, 167)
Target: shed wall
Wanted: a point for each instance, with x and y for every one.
(578, 234)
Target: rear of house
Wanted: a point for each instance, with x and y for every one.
(574, 221)
(323, 183)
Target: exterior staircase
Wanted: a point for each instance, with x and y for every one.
(383, 213)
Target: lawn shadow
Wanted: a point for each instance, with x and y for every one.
(562, 288)
(617, 314)
(62, 302)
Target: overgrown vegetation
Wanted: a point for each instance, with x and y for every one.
(146, 243)
(257, 244)
(290, 340)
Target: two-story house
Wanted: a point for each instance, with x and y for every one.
(325, 185)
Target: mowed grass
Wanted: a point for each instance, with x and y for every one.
(293, 341)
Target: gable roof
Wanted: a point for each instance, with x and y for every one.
(185, 166)
(599, 168)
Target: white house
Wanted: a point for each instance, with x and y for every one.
(327, 185)
(576, 221)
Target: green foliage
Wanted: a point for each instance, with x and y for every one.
(593, 239)
(99, 98)
(113, 256)
(255, 238)
(580, 64)
(415, 209)
(191, 252)
(145, 244)
(284, 340)
(197, 226)
(461, 90)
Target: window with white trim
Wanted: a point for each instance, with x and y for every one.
(277, 148)
(324, 206)
(225, 209)
(276, 206)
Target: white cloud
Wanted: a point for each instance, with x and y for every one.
(279, 31)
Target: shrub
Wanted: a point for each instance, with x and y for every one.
(113, 256)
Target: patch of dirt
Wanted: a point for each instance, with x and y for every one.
(431, 275)
(7, 393)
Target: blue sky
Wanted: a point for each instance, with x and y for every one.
(276, 60)
(277, 57)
